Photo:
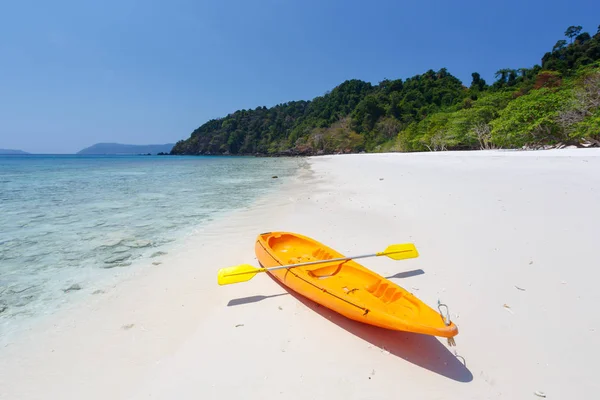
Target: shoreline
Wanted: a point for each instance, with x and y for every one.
(484, 225)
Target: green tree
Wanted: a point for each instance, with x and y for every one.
(502, 74)
(583, 38)
(523, 72)
(512, 77)
(530, 119)
(467, 128)
(367, 113)
(573, 31)
(477, 83)
(589, 128)
(559, 45)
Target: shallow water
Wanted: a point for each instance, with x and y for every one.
(68, 220)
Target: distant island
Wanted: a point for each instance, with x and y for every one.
(126, 149)
(552, 104)
(13, 152)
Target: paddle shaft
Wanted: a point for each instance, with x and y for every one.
(325, 261)
(257, 270)
(245, 272)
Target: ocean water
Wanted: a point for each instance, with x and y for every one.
(68, 220)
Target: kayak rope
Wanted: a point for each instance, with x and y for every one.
(446, 319)
(366, 310)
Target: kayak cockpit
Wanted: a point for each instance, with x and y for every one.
(294, 250)
(325, 272)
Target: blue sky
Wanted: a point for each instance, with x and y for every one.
(73, 74)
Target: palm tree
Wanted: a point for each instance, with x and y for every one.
(523, 71)
(502, 74)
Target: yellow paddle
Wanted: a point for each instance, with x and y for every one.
(245, 272)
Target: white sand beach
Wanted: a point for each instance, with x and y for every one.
(507, 239)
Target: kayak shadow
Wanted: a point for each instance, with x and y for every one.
(422, 350)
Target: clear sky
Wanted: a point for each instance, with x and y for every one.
(74, 73)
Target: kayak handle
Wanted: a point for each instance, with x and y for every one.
(446, 317)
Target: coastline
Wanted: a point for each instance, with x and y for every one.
(485, 224)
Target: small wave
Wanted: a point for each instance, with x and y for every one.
(117, 265)
(117, 259)
(111, 243)
(139, 244)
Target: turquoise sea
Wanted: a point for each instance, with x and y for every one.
(74, 220)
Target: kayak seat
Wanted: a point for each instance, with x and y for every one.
(373, 286)
(381, 289)
(320, 254)
(396, 296)
(388, 294)
(325, 272)
(391, 295)
(384, 292)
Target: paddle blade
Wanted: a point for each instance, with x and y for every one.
(236, 274)
(400, 251)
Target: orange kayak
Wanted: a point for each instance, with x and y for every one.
(346, 286)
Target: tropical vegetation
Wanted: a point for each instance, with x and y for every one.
(557, 101)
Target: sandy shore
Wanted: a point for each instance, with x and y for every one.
(509, 240)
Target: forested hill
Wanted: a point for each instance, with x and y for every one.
(557, 101)
(118, 148)
(12, 152)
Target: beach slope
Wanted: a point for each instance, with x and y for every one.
(508, 240)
